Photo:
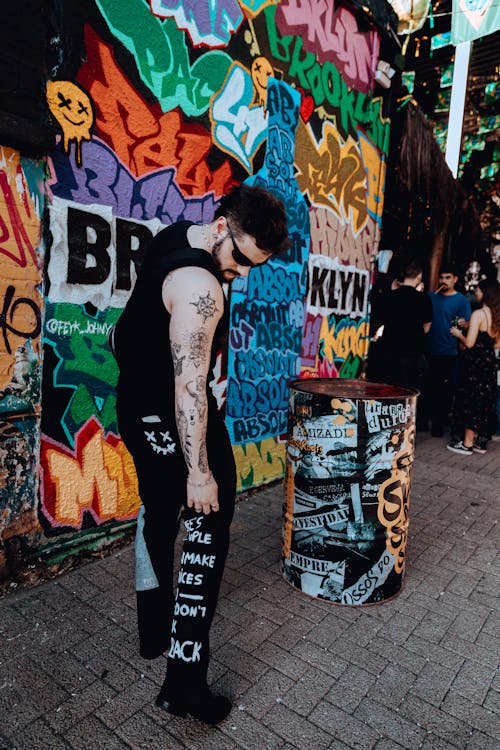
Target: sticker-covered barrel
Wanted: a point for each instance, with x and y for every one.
(349, 456)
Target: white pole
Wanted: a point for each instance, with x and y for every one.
(457, 105)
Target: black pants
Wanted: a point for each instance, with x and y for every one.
(178, 623)
(443, 376)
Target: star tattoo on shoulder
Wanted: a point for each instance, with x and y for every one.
(205, 306)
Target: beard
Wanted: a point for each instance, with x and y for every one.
(228, 275)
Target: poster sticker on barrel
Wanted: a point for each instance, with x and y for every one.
(348, 481)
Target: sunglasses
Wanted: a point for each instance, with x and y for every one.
(240, 258)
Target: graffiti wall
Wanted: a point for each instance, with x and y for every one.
(21, 206)
(170, 105)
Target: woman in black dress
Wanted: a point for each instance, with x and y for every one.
(474, 410)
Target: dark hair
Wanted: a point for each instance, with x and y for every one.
(448, 268)
(491, 298)
(411, 270)
(260, 214)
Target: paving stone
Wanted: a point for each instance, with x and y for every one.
(90, 734)
(295, 729)
(78, 585)
(66, 670)
(320, 658)
(78, 706)
(251, 638)
(354, 732)
(489, 642)
(480, 741)
(142, 732)
(263, 694)
(284, 661)
(124, 704)
(263, 608)
(327, 631)
(392, 685)
(308, 691)
(436, 654)
(432, 627)
(399, 628)
(36, 736)
(397, 654)
(468, 624)
(389, 723)
(385, 744)
(436, 721)
(472, 681)
(492, 702)
(232, 685)
(431, 742)
(241, 663)
(477, 716)
(86, 648)
(361, 657)
(349, 690)
(113, 670)
(433, 683)
(16, 709)
(470, 650)
(250, 734)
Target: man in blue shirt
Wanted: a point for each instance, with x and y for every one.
(449, 308)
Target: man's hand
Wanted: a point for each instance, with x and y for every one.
(203, 496)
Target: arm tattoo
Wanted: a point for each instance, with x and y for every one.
(198, 346)
(182, 429)
(205, 306)
(203, 459)
(197, 389)
(177, 359)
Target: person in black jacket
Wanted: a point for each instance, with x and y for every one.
(406, 315)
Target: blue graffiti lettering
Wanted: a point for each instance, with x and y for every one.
(273, 285)
(260, 363)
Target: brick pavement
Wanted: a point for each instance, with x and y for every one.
(415, 672)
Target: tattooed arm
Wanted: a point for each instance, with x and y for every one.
(194, 300)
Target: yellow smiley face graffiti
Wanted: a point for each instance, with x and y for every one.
(73, 110)
(261, 70)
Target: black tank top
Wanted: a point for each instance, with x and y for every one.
(141, 337)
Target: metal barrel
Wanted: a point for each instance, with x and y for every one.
(349, 456)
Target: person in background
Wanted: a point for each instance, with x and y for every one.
(406, 315)
(449, 308)
(474, 408)
(165, 343)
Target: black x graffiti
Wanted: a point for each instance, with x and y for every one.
(7, 315)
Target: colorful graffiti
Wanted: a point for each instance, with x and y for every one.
(21, 204)
(206, 22)
(73, 110)
(162, 57)
(143, 138)
(97, 479)
(334, 238)
(259, 463)
(266, 355)
(336, 332)
(239, 125)
(340, 175)
(20, 316)
(332, 34)
(174, 101)
(330, 93)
